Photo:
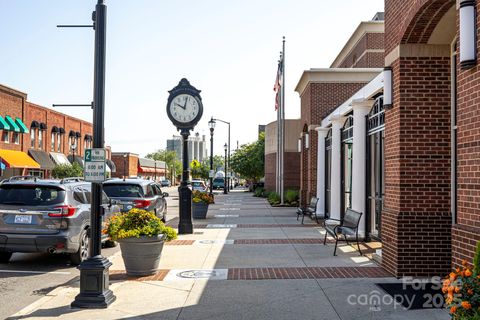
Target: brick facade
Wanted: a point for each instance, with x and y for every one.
(292, 172)
(367, 53)
(128, 170)
(416, 220)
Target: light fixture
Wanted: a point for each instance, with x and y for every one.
(387, 87)
(307, 140)
(299, 144)
(468, 29)
(225, 147)
(211, 124)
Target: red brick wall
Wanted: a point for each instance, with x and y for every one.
(132, 165)
(12, 104)
(412, 21)
(416, 221)
(359, 58)
(467, 230)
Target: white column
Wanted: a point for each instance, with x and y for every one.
(336, 183)
(359, 175)
(322, 134)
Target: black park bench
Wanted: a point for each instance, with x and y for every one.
(346, 227)
(309, 210)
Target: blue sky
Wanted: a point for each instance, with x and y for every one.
(227, 49)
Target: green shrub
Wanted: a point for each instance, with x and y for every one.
(258, 192)
(273, 198)
(137, 223)
(61, 171)
(291, 196)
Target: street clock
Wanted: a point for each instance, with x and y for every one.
(184, 106)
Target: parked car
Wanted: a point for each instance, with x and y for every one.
(199, 185)
(165, 183)
(218, 183)
(138, 193)
(47, 216)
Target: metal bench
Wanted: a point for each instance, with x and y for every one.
(347, 227)
(309, 210)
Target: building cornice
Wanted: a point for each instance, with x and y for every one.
(362, 29)
(336, 75)
(12, 91)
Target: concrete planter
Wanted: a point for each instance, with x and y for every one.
(141, 255)
(199, 210)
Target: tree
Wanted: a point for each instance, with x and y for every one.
(218, 162)
(170, 159)
(249, 160)
(61, 171)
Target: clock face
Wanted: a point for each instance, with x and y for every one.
(184, 108)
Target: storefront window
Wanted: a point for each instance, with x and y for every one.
(53, 142)
(375, 167)
(59, 142)
(16, 138)
(5, 137)
(32, 138)
(40, 139)
(347, 162)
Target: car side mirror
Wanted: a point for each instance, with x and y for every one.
(165, 194)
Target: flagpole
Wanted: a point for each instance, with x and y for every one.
(277, 166)
(282, 120)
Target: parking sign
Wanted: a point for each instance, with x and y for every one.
(94, 170)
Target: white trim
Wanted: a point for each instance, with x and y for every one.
(369, 90)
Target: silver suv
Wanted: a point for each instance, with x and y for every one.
(138, 193)
(47, 216)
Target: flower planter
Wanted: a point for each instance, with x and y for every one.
(141, 255)
(199, 210)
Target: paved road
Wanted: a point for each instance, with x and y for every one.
(29, 276)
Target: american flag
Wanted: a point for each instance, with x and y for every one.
(278, 84)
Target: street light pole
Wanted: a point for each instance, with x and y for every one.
(226, 122)
(225, 181)
(94, 275)
(124, 166)
(211, 125)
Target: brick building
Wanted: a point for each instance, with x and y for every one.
(131, 165)
(34, 138)
(291, 155)
(411, 165)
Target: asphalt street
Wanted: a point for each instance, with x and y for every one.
(30, 276)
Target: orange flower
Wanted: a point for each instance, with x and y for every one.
(464, 263)
(457, 270)
(457, 289)
(466, 305)
(453, 309)
(446, 282)
(450, 290)
(449, 299)
(444, 289)
(468, 273)
(453, 276)
(470, 292)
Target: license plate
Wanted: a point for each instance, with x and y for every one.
(127, 206)
(23, 219)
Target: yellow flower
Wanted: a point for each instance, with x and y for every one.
(468, 273)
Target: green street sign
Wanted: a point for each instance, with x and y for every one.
(95, 166)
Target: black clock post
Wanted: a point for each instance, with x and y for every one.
(185, 109)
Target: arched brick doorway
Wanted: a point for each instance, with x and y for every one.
(416, 219)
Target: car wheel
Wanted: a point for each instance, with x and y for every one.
(83, 250)
(164, 214)
(5, 256)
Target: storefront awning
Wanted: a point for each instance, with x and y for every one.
(17, 159)
(42, 158)
(3, 124)
(77, 159)
(146, 170)
(21, 125)
(59, 158)
(12, 124)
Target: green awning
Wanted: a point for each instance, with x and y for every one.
(23, 127)
(3, 124)
(12, 124)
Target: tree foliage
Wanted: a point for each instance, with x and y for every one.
(61, 171)
(170, 159)
(249, 160)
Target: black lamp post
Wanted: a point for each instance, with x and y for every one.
(155, 174)
(73, 147)
(94, 274)
(211, 125)
(228, 160)
(124, 166)
(225, 186)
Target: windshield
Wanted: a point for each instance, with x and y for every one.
(31, 195)
(123, 190)
(197, 183)
(218, 180)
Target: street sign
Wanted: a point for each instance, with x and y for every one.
(94, 165)
(211, 174)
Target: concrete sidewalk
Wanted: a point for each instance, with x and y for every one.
(247, 260)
